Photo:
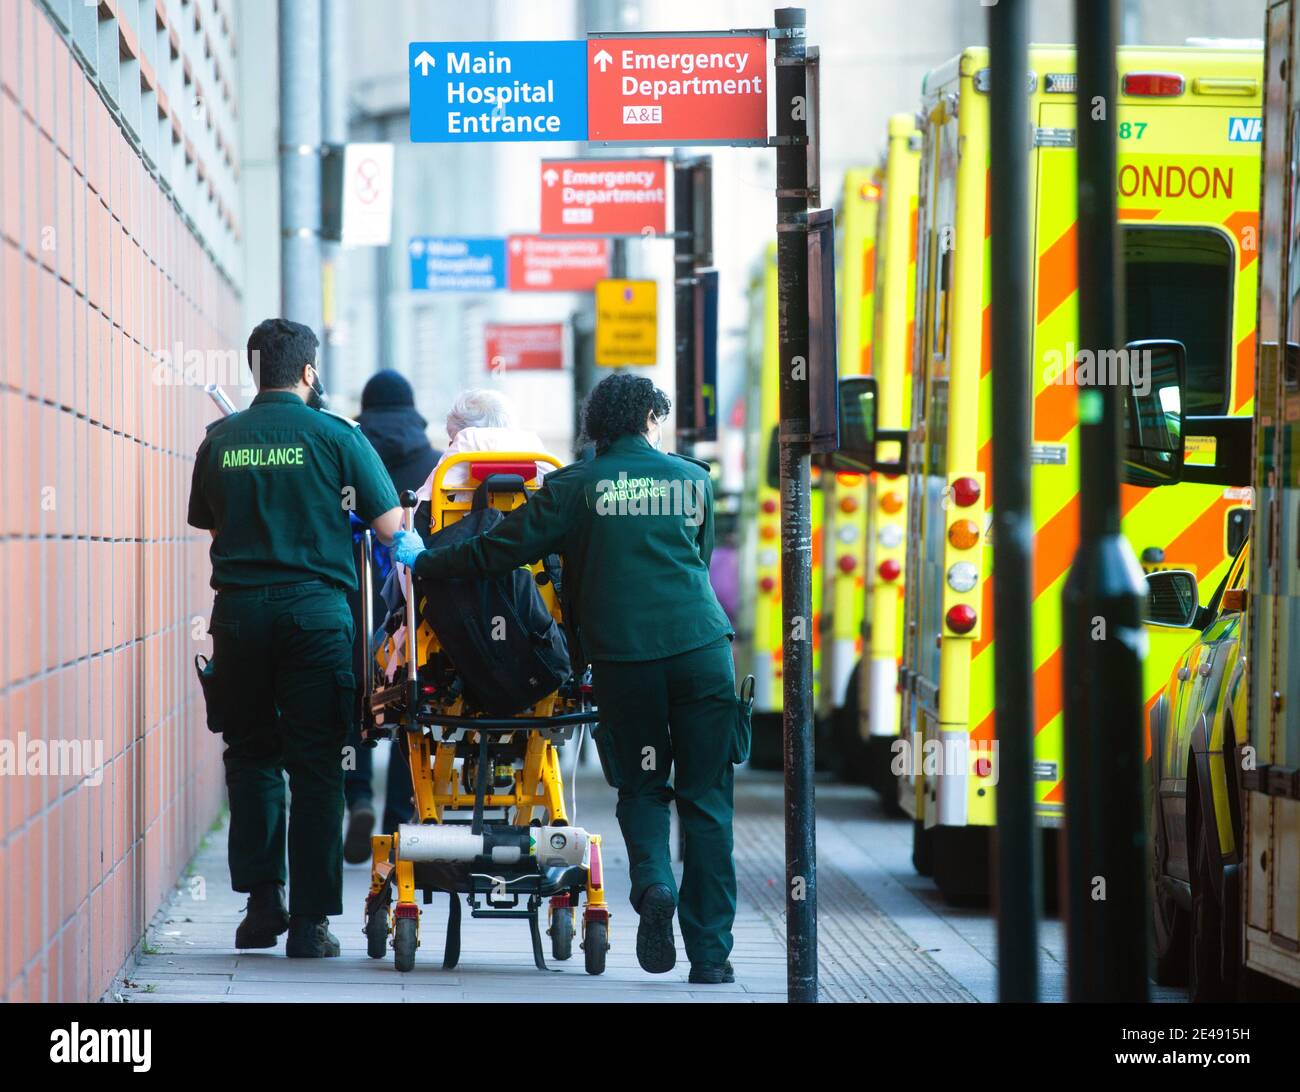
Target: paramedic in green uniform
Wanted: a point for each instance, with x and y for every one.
(635, 527)
(274, 485)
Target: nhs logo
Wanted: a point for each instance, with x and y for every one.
(1246, 130)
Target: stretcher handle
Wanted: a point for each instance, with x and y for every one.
(367, 608)
(409, 501)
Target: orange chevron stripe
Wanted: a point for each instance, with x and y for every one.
(1146, 724)
(1057, 794)
(1138, 214)
(986, 340)
(1058, 273)
(869, 269)
(986, 614)
(1202, 543)
(1129, 495)
(1048, 699)
(1239, 223)
(1054, 545)
(1056, 409)
(1243, 384)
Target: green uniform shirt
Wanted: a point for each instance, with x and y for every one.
(635, 526)
(276, 482)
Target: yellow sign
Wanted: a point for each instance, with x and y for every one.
(627, 323)
(1200, 450)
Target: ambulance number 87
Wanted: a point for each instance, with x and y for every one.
(1132, 130)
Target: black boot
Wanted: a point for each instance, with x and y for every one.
(265, 917)
(712, 974)
(310, 938)
(656, 950)
(361, 824)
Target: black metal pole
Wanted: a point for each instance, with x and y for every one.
(1013, 525)
(796, 505)
(1102, 601)
(684, 299)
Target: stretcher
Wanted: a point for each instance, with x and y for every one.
(490, 822)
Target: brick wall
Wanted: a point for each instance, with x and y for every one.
(101, 581)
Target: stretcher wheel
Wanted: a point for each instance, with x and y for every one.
(404, 943)
(377, 933)
(595, 945)
(561, 931)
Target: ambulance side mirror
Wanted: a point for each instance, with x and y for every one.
(1152, 412)
(861, 438)
(1172, 599)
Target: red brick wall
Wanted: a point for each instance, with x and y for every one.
(100, 578)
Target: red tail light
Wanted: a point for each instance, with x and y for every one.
(1153, 84)
(847, 563)
(965, 492)
(961, 618)
(889, 569)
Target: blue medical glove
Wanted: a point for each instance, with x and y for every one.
(407, 546)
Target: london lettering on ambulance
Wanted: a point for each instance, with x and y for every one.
(1169, 179)
(668, 89)
(262, 456)
(605, 196)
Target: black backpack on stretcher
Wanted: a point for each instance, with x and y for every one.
(507, 649)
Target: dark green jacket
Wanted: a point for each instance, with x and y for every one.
(276, 482)
(635, 527)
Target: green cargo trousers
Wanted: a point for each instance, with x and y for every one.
(676, 715)
(283, 693)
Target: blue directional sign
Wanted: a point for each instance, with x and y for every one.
(498, 91)
(457, 263)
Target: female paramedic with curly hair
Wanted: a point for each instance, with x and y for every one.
(635, 527)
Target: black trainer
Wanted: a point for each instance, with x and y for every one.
(712, 974)
(310, 938)
(361, 824)
(656, 950)
(265, 917)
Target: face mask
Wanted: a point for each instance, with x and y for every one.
(317, 398)
(659, 434)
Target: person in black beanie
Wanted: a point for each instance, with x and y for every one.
(394, 427)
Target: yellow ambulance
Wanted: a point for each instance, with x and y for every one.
(1188, 188)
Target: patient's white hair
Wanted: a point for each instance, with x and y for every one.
(479, 407)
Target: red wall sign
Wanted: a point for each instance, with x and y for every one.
(677, 90)
(535, 264)
(524, 346)
(614, 196)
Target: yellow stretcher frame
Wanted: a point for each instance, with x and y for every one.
(436, 780)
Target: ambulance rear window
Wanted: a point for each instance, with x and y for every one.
(1178, 284)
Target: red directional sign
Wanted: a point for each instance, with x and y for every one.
(670, 90)
(519, 346)
(604, 196)
(535, 264)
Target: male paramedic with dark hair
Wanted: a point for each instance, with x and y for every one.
(635, 527)
(274, 484)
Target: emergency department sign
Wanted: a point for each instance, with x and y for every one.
(469, 92)
(678, 90)
(604, 196)
(627, 324)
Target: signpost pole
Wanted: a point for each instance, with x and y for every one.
(1017, 836)
(684, 299)
(792, 171)
(1103, 598)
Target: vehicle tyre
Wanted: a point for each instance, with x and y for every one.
(404, 943)
(562, 933)
(377, 932)
(882, 778)
(1213, 953)
(922, 848)
(961, 864)
(1170, 924)
(594, 946)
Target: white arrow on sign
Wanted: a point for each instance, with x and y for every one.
(424, 62)
(550, 176)
(603, 59)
